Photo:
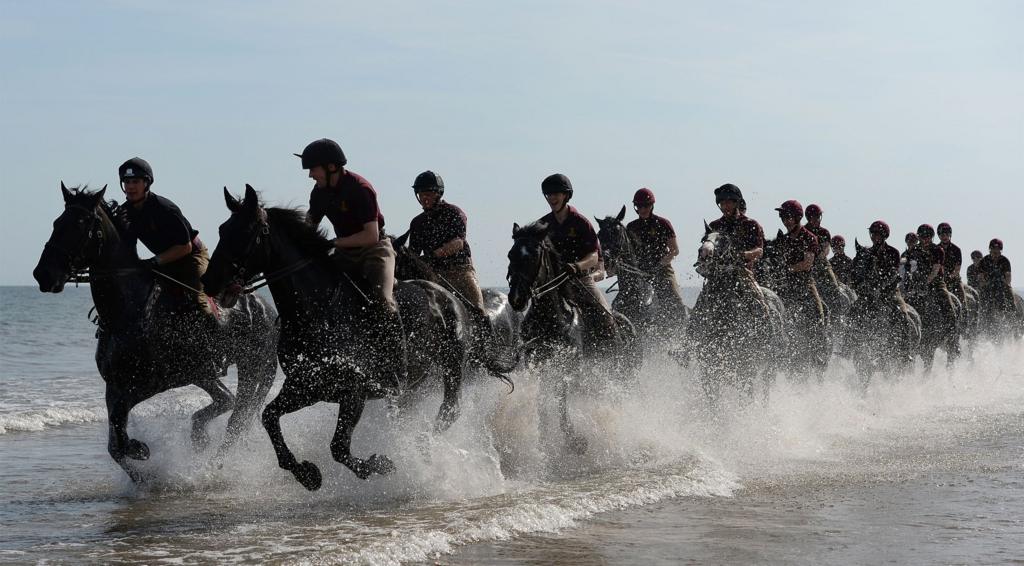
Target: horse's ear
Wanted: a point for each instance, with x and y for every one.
(251, 199)
(707, 228)
(231, 201)
(515, 229)
(857, 245)
(401, 240)
(99, 195)
(779, 234)
(622, 214)
(64, 191)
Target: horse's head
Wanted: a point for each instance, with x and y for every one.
(717, 254)
(408, 265)
(864, 275)
(772, 264)
(530, 262)
(240, 252)
(613, 237)
(76, 241)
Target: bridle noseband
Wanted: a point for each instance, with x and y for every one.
(75, 260)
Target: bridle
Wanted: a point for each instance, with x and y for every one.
(75, 260)
(550, 285)
(257, 243)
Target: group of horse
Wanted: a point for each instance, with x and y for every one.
(322, 327)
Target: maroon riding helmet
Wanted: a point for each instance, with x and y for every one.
(791, 209)
(643, 197)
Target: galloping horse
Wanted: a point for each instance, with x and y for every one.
(883, 332)
(499, 354)
(635, 298)
(942, 315)
(146, 346)
(552, 331)
(808, 339)
(327, 327)
(735, 333)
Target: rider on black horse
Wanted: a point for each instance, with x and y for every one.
(575, 240)
(953, 258)
(972, 270)
(886, 272)
(160, 225)
(657, 247)
(744, 232)
(824, 277)
(995, 279)
(799, 250)
(841, 263)
(438, 236)
(350, 203)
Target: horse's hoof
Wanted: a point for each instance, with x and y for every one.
(137, 450)
(380, 464)
(577, 444)
(308, 475)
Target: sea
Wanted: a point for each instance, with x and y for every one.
(921, 468)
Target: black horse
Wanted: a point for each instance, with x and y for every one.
(552, 331)
(498, 352)
(735, 334)
(883, 333)
(809, 336)
(942, 317)
(327, 335)
(636, 296)
(146, 344)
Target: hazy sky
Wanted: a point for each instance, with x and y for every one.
(907, 111)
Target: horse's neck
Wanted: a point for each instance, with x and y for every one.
(119, 290)
(307, 291)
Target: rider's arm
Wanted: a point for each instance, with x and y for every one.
(673, 251)
(174, 253)
(1007, 278)
(368, 236)
(754, 254)
(804, 265)
(451, 247)
(934, 273)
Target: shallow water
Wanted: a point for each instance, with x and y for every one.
(918, 469)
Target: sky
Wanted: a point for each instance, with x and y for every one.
(905, 111)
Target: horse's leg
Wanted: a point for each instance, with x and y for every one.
(119, 445)
(350, 411)
(255, 378)
(287, 401)
(574, 441)
(223, 401)
(450, 410)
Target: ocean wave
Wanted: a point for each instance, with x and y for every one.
(36, 420)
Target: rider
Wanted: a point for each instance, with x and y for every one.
(159, 224)
(995, 277)
(841, 262)
(734, 223)
(821, 270)
(656, 248)
(574, 239)
(799, 248)
(885, 269)
(953, 259)
(908, 262)
(438, 235)
(972, 270)
(350, 203)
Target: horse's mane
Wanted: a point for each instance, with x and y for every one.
(110, 207)
(292, 222)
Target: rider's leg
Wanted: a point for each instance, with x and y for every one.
(377, 266)
(594, 306)
(667, 293)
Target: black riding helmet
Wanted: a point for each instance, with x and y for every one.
(728, 191)
(322, 152)
(557, 183)
(428, 181)
(135, 168)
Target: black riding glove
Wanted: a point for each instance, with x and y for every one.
(149, 264)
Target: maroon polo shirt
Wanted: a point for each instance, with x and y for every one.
(348, 205)
(796, 243)
(745, 232)
(434, 228)
(652, 236)
(574, 238)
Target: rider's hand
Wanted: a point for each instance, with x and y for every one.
(572, 269)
